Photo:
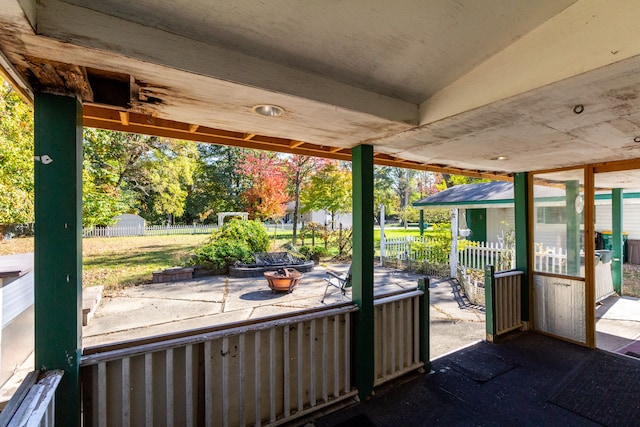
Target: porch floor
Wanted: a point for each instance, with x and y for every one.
(523, 381)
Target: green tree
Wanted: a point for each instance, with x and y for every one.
(449, 181)
(300, 169)
(141, 173)
(328, 189)
(383, 191)
(216, 185)
(16, 158)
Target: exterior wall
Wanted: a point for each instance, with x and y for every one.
(630, 219)
(321, 217)
(495, 217)
(16, 312)
(129, 220)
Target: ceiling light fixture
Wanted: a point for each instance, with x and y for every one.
(636, 139)
(578, 108)
(268, 110)
(500, 158)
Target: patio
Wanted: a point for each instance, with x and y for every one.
(162, 308)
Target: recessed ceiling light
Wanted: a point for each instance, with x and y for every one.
(268, 110)
(636, 139)
(500, 158)
(579, 108)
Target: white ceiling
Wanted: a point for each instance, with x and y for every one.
(445, 82)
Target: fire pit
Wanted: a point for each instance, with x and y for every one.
(283, 279)
(269, 261)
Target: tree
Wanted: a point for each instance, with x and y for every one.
(328, 189)
(383, 191)
(216, 185)
(267, 194)
(147, 174)
(449, 180)
(16, 158)
(300, 169)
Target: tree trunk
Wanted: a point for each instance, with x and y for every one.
(296, 208)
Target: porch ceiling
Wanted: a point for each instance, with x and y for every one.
(442, 84)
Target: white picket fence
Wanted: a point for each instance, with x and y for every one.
(476, 257)
(550, 260)
(152, 230)
(547, 259)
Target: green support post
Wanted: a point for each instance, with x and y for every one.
(425, 332)
(521, 212)
(362, 269)
(421, 222)
(573, 228)
(489, 303)
(58, 246)
(617, 239)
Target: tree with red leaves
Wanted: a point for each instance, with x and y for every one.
(266, 196)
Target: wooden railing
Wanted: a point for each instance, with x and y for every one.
(503, 298)
(33, 403)
(264, 373)
(397, 336)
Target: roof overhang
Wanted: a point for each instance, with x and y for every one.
(444, 86)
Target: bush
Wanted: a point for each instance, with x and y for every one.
(235, 241)
(314, 252)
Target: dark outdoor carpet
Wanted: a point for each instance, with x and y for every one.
(360, 420)
(481, 366)
(605, 388)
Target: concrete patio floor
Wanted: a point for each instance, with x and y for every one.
(161, 308)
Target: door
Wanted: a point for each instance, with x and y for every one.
(562, 283)
(477, 222)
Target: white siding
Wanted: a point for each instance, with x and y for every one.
(630, 219)
(495, 219)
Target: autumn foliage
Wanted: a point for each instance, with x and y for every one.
(266, 197)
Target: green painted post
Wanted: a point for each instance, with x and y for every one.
(425, 333)
(573, 228)
(362, 269)
(421, 222)
(58, 246)
(489, 303)
(617, 239)
(521, 212)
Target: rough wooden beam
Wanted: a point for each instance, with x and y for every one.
(295, 144)
(124, 118)
(103, 117)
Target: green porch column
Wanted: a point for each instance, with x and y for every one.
(421, 222)
(617, 239)
(362, 268)
(573, 228)
(58, 246)
(521, 213)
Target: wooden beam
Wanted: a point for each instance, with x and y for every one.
(100, 116)
(295, 144)
(124, 117)
(193, 128)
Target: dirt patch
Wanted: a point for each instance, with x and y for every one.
(631, 280)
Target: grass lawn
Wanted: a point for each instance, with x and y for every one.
(122, 261)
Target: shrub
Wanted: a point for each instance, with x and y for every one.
(235, 241)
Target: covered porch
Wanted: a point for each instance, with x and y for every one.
(500, 90)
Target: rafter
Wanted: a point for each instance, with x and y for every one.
(99, 116)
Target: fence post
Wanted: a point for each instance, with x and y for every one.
(489, 302)
(425, 333)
